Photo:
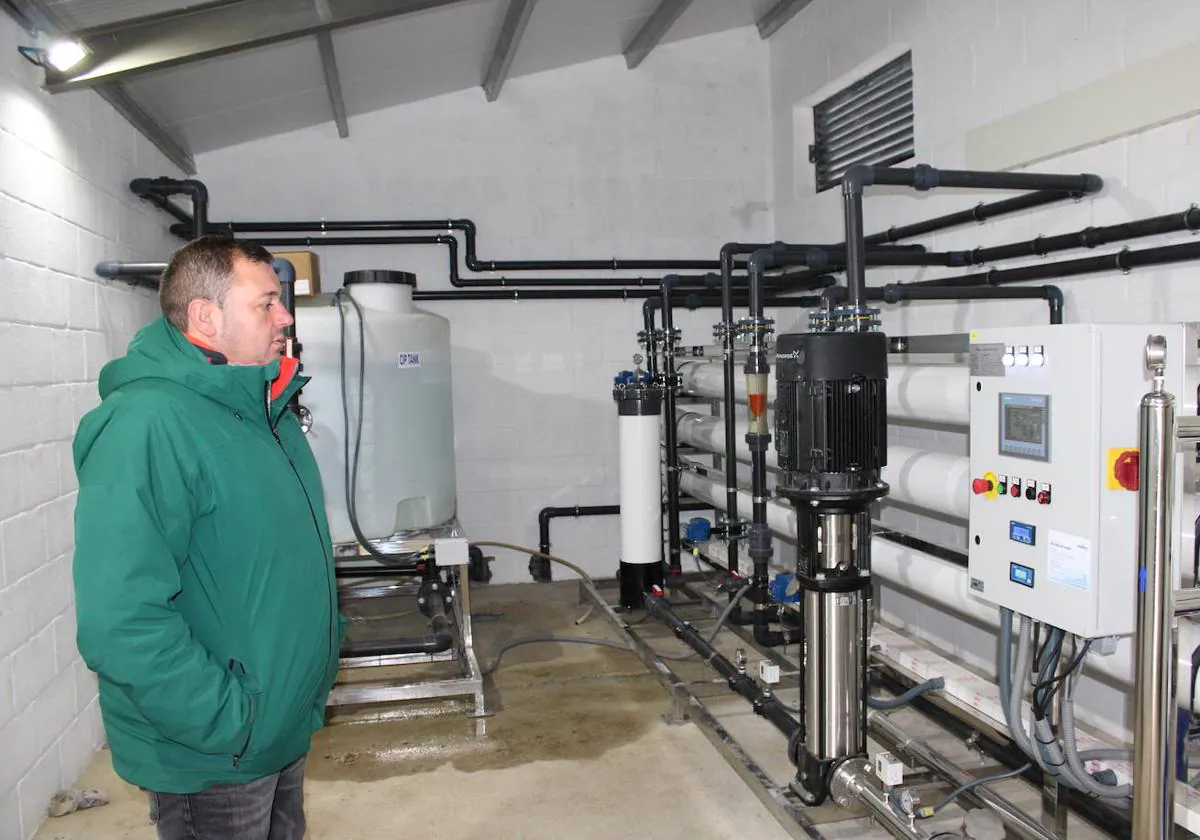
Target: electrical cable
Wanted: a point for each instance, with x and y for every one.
(926, 812)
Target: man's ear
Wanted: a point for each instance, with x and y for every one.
(204, 318)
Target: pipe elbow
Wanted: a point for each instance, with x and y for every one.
(1092, 183)
(195, 189)
(670, 282)
(856, 178)
(761, 260)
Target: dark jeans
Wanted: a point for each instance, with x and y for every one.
(270, 808)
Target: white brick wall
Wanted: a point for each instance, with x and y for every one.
(593, 161)
(976, 61)
(65, 163)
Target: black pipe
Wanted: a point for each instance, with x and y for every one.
(1090, 237)
(546, 514)
(165, 187)
(924, 177)
(146, 273)
(405, 568)
(898, 292)
(171, 208)
(764, 704)
(856, 247)
(437, 641)
(979, 213)
(470, 233)
(674, 576)
(1123, 260)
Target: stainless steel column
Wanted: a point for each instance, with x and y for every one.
(833, 675)
(1154, 681)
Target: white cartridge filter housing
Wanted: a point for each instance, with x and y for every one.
(639, 409)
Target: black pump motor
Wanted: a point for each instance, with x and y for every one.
(831, 415)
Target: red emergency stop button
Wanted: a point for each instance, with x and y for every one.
(1126, 469)
(981, 485)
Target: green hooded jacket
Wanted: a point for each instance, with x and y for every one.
(204, 584)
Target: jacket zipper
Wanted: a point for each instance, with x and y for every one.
(312, 513)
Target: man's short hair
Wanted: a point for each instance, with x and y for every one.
(203, 270)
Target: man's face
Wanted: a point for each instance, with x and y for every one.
(249, 328)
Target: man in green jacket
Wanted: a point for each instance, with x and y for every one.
(204, 584)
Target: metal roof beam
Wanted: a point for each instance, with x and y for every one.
(138, 45)
(653, 30)
(779, 14)
(333, 83)
(515, 21)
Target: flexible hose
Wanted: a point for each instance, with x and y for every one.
(532, 640)
(350, 465)
(888, 703)
(1070, 745)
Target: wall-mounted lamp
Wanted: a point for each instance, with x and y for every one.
(61, 54)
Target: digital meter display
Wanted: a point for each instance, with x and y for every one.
(1025, 426)
(1022, 533)
(1020, 574)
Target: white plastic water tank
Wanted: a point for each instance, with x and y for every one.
(405, 479)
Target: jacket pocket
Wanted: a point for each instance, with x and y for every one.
(253, 694)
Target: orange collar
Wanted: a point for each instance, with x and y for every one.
(288, 366)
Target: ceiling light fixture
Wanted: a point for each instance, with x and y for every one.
(64, 55)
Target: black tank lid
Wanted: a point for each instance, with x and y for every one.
(379, 275)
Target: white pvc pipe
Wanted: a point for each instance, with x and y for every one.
(641, 489)
(915, 393)
(946, 585)
(780, 517)
(927, 480)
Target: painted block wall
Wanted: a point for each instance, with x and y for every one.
(65, 162)
(592, 161)
(975, 62)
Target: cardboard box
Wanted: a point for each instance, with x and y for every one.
(308, 271)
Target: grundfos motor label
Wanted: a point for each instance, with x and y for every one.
(408, 360)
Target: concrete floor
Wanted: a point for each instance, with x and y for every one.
(577, 747)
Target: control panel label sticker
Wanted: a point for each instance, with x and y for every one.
(1069, 560)
(987, 360)
(408, 360)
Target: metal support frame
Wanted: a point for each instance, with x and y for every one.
(783, 804)
(468, 683)
(647, 38)
(779, 14)
(511, 31)
(333, 82)
(139, 45)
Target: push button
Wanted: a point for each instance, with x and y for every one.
(981, 485)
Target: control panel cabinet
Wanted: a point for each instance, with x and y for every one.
(1054, 468)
